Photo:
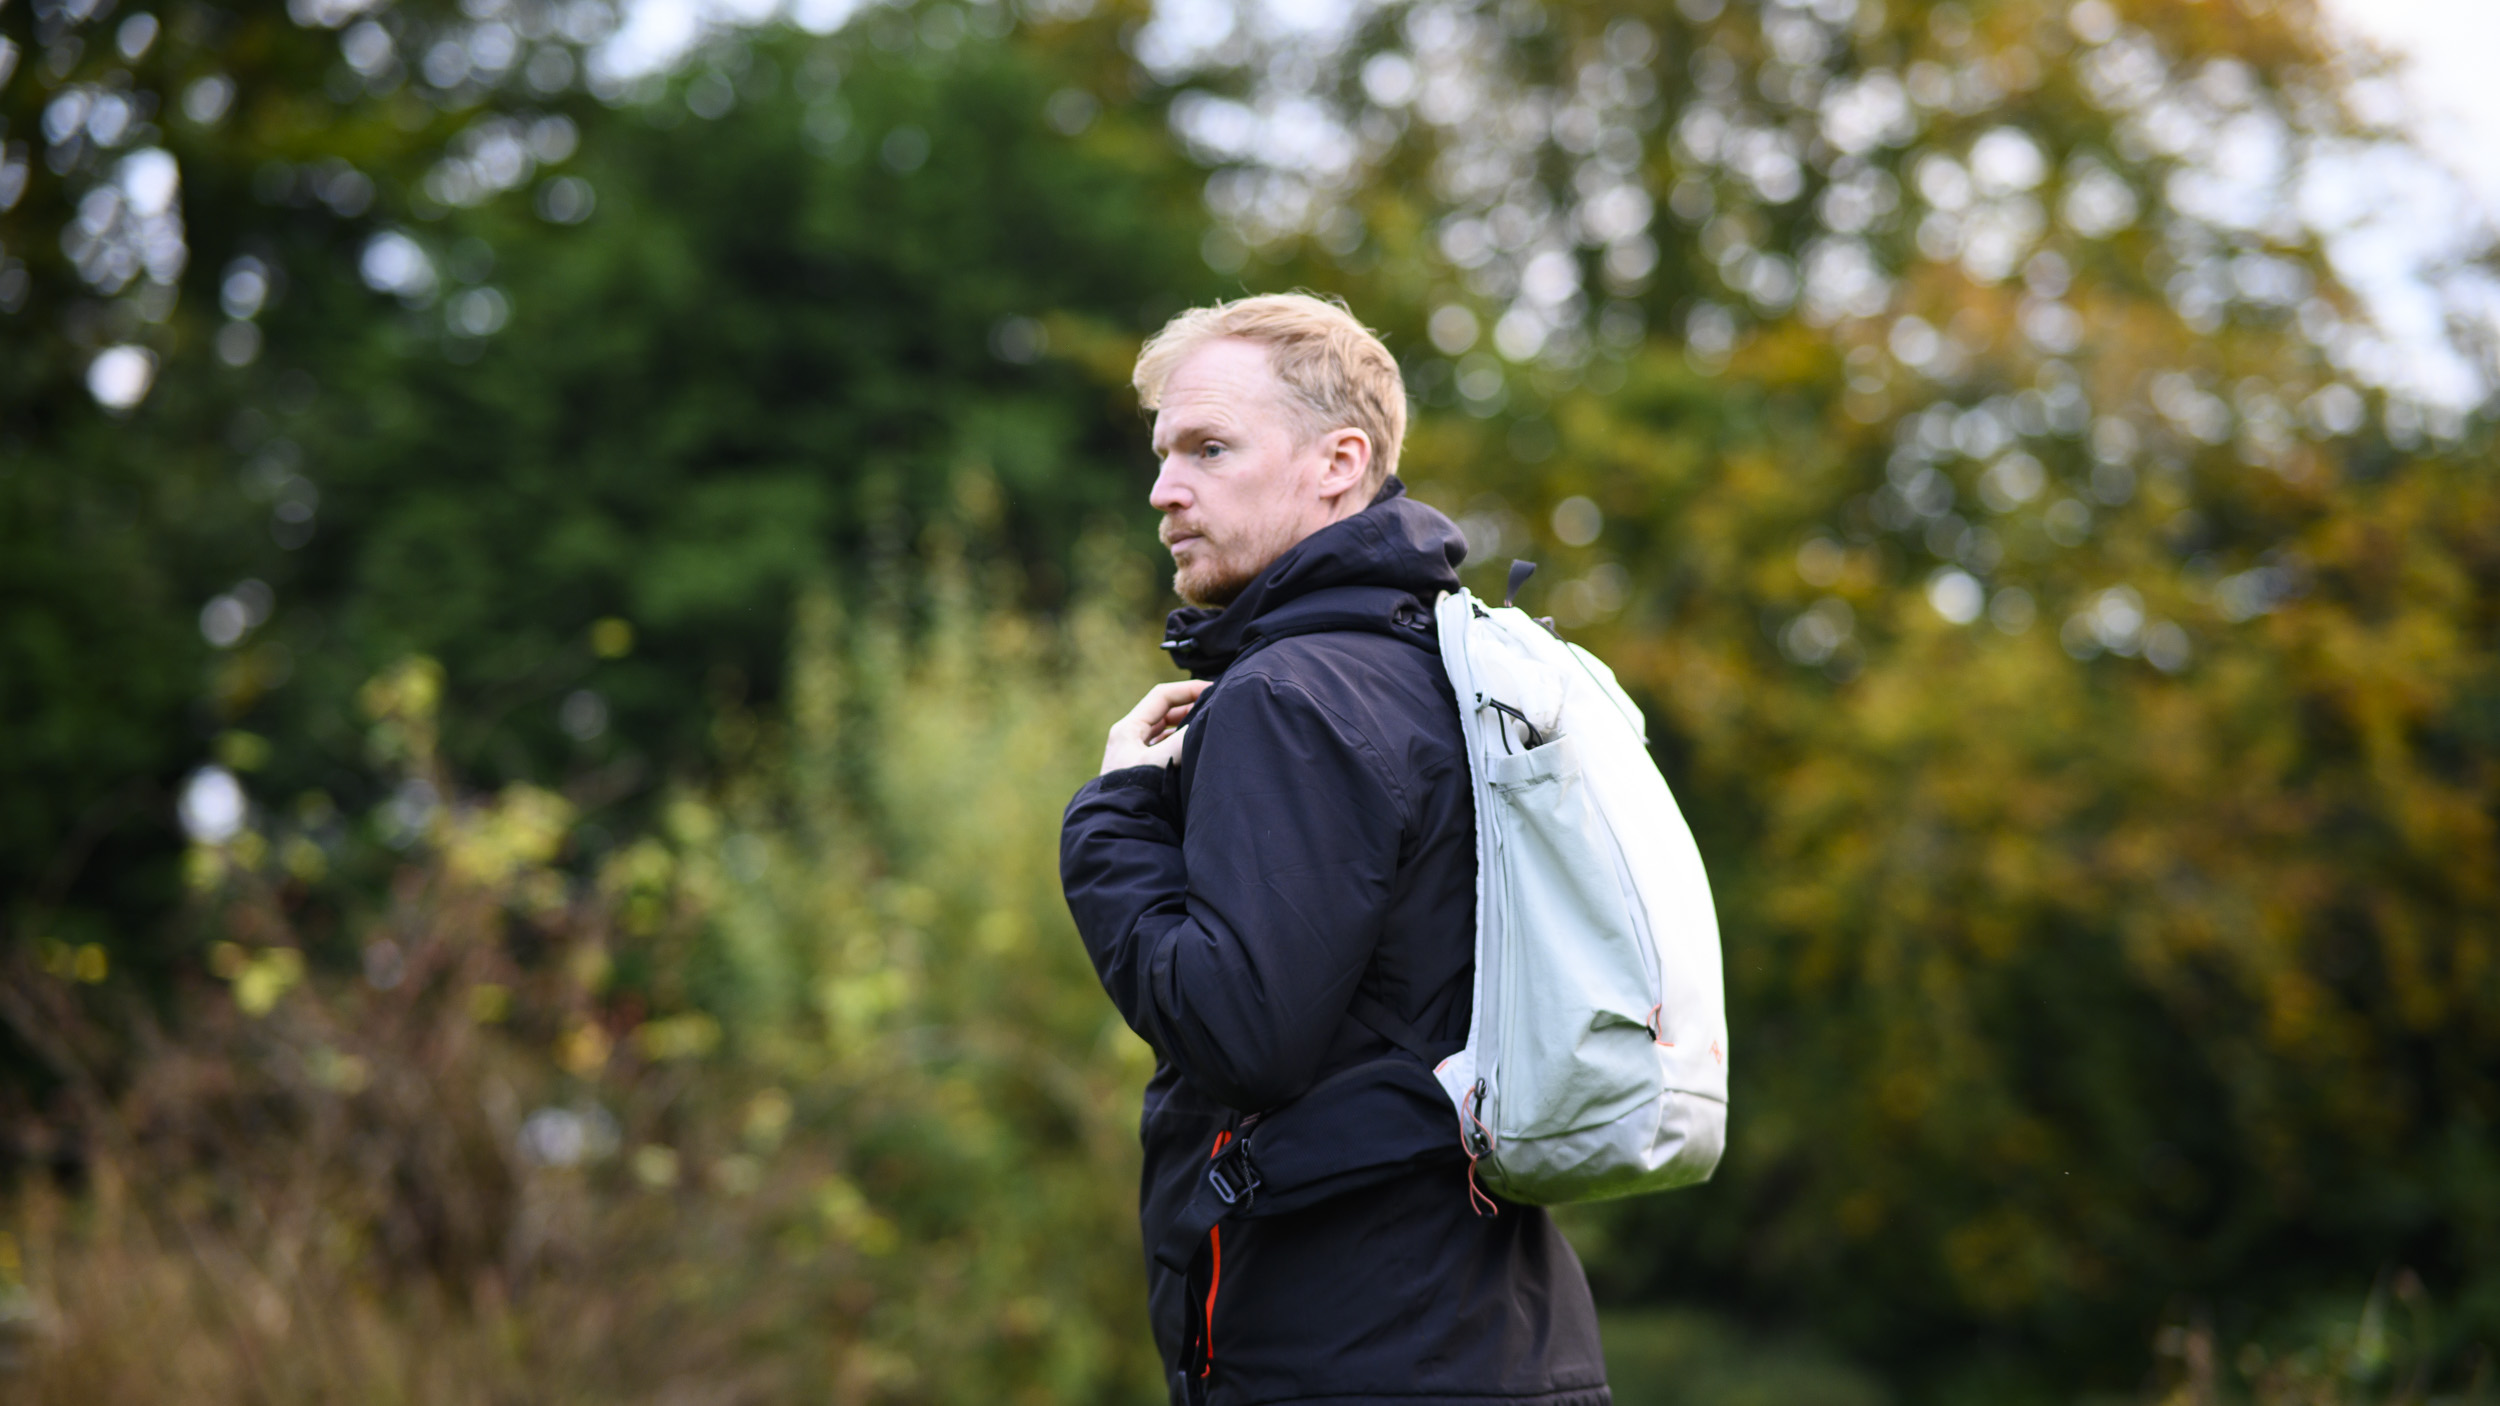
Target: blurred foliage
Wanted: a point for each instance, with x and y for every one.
(715, 1117)
(737, 342)
(2083, 679)
(1685, 1357)
(2388, 1350)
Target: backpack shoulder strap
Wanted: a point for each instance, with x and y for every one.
(1365, 612)
(1375, 1016)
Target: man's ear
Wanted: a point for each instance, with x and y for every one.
(1349, 453)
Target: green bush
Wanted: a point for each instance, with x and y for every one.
(811, 1091)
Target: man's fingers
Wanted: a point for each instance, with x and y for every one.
(1146, 735)
(1156, 711)
(1164, 751)
(1167, 696)
(1173, 719)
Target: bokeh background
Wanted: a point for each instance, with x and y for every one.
(558, 564)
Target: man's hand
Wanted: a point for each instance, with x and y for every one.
(1151, 733)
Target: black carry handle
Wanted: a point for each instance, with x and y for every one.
(1520, 571)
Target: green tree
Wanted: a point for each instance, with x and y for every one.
(848, 295)
(153, 163)
(472, 361)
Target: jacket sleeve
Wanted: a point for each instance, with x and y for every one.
(1235, 951)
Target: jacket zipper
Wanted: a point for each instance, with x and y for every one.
(1215, 1266)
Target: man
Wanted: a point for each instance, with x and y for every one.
(1275, 877)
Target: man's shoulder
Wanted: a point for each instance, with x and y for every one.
(1329, 664)
(1389, 692)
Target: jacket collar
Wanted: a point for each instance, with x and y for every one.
(1396, 543)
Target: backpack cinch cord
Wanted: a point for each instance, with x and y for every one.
(1478, 1142)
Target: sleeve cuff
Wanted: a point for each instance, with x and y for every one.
(1135, 778)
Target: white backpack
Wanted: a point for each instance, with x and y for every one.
(1596, 1058)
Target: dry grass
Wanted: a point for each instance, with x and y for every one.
(338, 1200)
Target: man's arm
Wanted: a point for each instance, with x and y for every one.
(1236, 951)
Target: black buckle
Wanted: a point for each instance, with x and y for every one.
(1235, 1181)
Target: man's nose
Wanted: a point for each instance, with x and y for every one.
(1169, 494)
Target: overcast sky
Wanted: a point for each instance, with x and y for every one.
(2398, 217)
(2445, 52)
(2449, 49)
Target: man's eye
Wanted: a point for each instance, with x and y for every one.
(1209, 451)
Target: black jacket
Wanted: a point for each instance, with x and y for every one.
(1311, 856)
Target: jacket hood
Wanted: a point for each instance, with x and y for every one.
(1396, 554)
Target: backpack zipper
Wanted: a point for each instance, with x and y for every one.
(1476, 1133)
(1641, 935)
(1497, 1020)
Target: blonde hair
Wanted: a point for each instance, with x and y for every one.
(1337, 371)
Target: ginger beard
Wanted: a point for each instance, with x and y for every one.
(1213, 570)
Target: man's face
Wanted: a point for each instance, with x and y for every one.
(1240, 480)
